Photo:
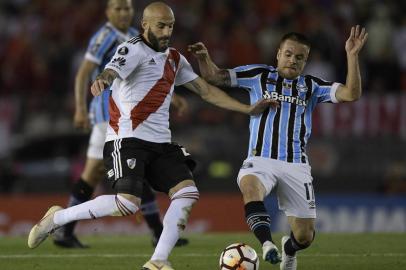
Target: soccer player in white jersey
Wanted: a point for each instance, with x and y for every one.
(138, 146)
(101, 49)
(276, 154)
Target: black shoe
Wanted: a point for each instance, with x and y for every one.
(182, 242)
(179, 243)
(69, 242)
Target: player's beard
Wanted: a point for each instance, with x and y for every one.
(154, 40)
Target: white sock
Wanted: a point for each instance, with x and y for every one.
(175, 221)
(101, 206)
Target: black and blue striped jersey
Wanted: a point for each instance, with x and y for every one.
(282, 133)
(101, 48)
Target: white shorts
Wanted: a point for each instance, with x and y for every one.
(97, 139)
(293, 183)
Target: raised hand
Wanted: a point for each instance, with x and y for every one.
(199, 50)
(262, 105)
(356, 40)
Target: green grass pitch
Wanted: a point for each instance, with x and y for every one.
(329, 252)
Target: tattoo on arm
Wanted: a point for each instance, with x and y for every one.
(197, 87)
(107, 75)
(222, 78)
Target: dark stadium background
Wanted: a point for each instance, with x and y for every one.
(357, 151)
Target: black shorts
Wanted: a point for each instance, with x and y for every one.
(129, 162)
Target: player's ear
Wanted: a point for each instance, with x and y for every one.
(144, 25)
(278, 55)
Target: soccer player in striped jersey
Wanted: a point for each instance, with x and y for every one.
(276, 152)
(138, 148)
(101, 48)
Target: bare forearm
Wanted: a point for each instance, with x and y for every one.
(81, 84)
(222, 100)
(214, 75)
(353, 82)
(103, 80)
(108, 76)
(217, 97)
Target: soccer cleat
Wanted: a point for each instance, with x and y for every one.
(288, 262)
(157, 265)
(270, 253)
(43, 228)
(181, 242)
(67, 241)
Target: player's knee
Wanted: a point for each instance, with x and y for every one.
(304, 237)
(180, 186)
(190, 193)
(127, 204)
(251, 189)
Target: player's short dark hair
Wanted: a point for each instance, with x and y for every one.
(296, 37)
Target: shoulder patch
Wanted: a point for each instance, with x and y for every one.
(123, 50)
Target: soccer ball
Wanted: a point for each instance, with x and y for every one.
(239, 256)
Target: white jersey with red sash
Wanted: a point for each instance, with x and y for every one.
(141, 96)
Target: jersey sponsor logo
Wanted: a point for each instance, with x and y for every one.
(120, 61)
(123, 50)
(312, 205)
(294, 100)
(152, 62)
(131, 163)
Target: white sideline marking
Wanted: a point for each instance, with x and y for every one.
(52, 256)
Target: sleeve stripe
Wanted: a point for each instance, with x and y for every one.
(333, 92)
(233, 77)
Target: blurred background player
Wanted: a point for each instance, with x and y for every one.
(277, 147)
(100, 50)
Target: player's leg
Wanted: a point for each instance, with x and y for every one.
(301, 237)
(175, 178)
(105, 205)
(150, 212)
(82, 190)
(126, 179)
(296, 199)
(255, 184)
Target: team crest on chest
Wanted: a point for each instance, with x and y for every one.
(301, 88)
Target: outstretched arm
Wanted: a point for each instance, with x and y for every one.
(217, 97)
(103, 80)
(352, 90)
(210, 72)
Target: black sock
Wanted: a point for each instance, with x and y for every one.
(258, 220)
(81, 192)
(291, 246)
(151, 215)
